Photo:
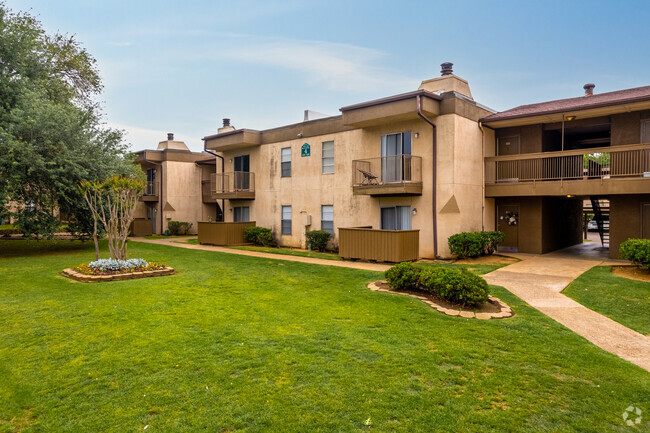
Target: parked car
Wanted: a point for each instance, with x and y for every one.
(592, 226)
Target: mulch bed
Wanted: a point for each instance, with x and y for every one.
(631, 272)
(86, 278)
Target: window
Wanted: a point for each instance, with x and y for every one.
(395, 157)
(396, 218)
(645, 131)
(286, 220)
(286, 162)
(327, 218)
(241, 214)
(328, 157)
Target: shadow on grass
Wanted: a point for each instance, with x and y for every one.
(31, 247)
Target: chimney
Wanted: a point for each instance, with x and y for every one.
(226, 126)
(170, 136)
(589, 89)
(226, 123)
(446, 68)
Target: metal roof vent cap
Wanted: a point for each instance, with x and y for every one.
(589, 89)
(446, 68)
(170, 136)
(226, 122)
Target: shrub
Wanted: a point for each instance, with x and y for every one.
(403, 276)
(492, 240)
(454, 285)
(467, 244)
(179, 227)
(637, 251)
(317, 239)
(474, 244)
(258, 236)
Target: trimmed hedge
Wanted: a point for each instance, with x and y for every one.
(456, 286)
(637, 251)
(317, 239)
(178, 227)
(474, 244)
(403, 276)
(259, 236)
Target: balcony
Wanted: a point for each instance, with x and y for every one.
(151, 191)
(379, 245)
(238, 185)
(595, 171)
(387, 175)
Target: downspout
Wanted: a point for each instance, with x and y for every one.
(434, 173)
(223, 202)
(480, 125)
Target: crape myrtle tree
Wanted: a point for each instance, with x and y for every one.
(51, 133)
(112, 203)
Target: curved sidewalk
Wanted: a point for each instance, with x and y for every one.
(537, 280)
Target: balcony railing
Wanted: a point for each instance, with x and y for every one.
(627, 161)
(151, 191)
(388, 175)
(233, 185)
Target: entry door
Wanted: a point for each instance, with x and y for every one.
(645, 218)
(242, 173)
(508, 223)
(396, 160)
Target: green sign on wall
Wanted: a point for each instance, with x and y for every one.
(305, 150)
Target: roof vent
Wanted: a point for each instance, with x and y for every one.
(446, 68)
(170, 136)
(589, 89)
(226, 122)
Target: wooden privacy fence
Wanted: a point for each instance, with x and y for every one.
(379, 245)
(141, 227)
(604, 163)
(223, 234)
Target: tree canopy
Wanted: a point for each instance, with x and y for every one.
(51, 133)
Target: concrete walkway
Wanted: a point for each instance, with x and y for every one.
(538, 280)
(174, 242)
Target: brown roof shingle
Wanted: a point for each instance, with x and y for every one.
(573, 104)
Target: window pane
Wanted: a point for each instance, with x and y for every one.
(286, 154)
(328, 157)
(387, 218)
(286, 169)
(327, 213)
(286, 227)
(327, 226)
(406, 143)
(403, 218)
(286, 212)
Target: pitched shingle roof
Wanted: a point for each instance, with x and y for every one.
(618, 97)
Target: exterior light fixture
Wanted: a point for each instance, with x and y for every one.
(417, 134)
(570, 118)
(415, 211)
(569, 196)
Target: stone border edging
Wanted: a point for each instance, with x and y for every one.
(85, 278)
(505, 312)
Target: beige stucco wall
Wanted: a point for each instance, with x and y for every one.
(459, 174)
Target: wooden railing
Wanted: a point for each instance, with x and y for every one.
(387, 170)
(603, 162)
(237, 181)
(379, 245)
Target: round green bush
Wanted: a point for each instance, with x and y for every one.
(259, 236)
(403, 276)
(454, 285)
(317, 239)
(637, 251)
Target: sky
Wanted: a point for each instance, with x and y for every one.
(182, 66)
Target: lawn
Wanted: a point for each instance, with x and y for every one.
(623, 300)
(243, 344)
(289, 252)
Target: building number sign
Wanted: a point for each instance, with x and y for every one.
(305, 150)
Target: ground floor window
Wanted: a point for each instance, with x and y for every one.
(241, 214)
(396, 218)
(327, 218)
(286, 220)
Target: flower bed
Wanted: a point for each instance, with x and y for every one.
(116, 270)
(113, 267)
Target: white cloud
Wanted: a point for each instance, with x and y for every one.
(342, 67)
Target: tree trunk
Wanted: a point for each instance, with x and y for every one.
(95, 240)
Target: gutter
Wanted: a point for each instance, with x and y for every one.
(480, 125)
(434, 172)
(223, 202)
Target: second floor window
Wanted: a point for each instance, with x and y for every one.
(285, 158)
(328, 157)
(286, 220)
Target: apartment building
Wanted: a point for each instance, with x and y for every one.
(550, 157)
(176, 180)
(412, 161)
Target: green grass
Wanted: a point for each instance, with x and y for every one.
(243, 344)
(166, 237)
(7, 227)
(621, 299)
(289, 252)
(479, 269)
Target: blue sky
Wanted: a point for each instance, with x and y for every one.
(172, 66)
